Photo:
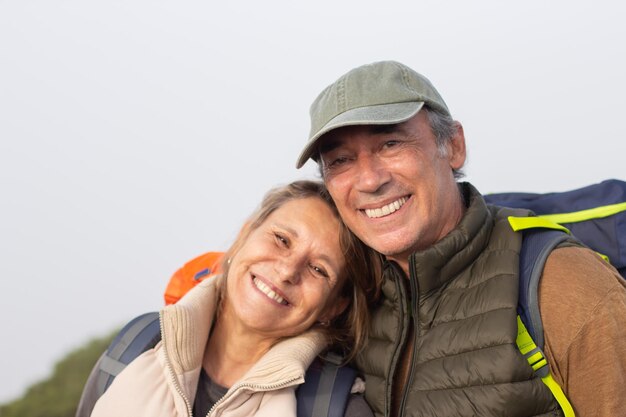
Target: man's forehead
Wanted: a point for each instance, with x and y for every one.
(337, 137)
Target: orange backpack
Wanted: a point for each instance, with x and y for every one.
(193, 272)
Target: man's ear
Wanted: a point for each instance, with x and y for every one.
(456, 148)
(334, 309)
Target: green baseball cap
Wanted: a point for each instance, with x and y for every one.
(380, 93)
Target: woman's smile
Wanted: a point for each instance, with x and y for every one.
(268, 290)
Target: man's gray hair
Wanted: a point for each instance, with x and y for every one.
(444, 127)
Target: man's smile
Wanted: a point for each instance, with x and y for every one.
(387, 209)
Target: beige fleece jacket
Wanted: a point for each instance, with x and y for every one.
(163, 380)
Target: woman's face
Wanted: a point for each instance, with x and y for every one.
(285, 277)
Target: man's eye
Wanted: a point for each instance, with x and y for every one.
(337, 161)
(335, 164)
(391, 143)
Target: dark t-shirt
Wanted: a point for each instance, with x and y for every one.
(209, 393)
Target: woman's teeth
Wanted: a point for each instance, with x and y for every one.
(268, 291)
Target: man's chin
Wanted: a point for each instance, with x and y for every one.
(391, 249)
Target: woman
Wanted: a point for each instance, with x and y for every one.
(295, 281)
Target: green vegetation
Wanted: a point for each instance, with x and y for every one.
(58, 395)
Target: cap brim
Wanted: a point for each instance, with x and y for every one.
(382, 114)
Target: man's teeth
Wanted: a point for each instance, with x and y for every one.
(385, 210)
(268, 291)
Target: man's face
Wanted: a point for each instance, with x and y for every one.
(393, 186)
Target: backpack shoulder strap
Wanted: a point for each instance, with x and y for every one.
(139, 335)
(536, 247)
(326, 389)
(537, 360)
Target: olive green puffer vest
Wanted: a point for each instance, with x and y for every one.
(464, 296)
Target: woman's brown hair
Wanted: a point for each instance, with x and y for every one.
(362, 271)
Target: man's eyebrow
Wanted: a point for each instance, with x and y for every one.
(332, 142)
(328, 145)
(382, 129)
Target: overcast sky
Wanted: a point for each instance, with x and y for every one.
(135, 135)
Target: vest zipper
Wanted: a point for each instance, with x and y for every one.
(399, 276)
(415, 315)
(171, 372)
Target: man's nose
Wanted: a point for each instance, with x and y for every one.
(372, 174)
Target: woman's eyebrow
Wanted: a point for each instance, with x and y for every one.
(286, 228)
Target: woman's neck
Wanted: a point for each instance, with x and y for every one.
(232, 350)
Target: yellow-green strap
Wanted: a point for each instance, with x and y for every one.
(548, 221)
(533, 222)
(553, 221)
(536, 359)
(581, 216)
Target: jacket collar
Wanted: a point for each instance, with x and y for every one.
(185, 330)
(436, 265)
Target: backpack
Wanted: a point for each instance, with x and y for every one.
(594, 216)
(192, 273)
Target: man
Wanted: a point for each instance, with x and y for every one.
(443, 334)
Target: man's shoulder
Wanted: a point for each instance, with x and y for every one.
(577, 287)
(580, 273)
(582, 300)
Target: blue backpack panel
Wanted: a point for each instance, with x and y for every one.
(595, 215)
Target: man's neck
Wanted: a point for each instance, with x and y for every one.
(403, 263)
(455, 216)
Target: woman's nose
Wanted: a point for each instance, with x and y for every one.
(288, 269)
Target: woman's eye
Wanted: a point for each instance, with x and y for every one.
(319, 271)
(281, 240)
